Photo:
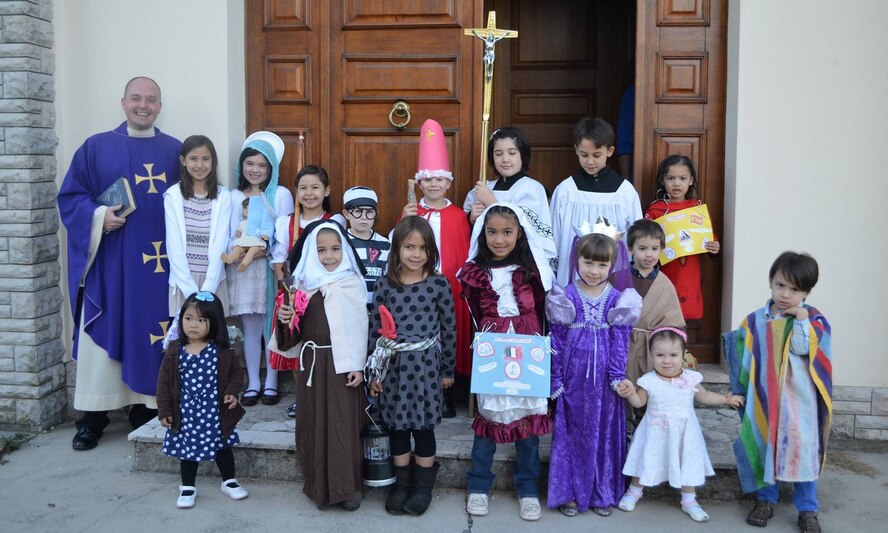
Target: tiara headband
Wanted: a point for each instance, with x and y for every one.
(680, 333)
(602, 225)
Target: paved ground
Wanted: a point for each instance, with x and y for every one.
(46, 486)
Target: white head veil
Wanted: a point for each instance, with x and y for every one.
(547, 277)
(312, 274)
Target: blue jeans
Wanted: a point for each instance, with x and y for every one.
(527, 466)
(804, 495)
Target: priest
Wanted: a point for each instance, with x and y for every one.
(117, 267)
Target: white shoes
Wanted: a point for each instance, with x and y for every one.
(530, 508)
(233, 490)
(477, 504)
(696, 512)
(186, 501)
(627, 502)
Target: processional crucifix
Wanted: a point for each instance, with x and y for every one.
(489, 36)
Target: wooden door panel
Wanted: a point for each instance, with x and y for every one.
(680, 98)
(377, 13)
(409, 77)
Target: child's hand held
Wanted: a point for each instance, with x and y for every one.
(375, 388)
(712, 247)
(354, 378)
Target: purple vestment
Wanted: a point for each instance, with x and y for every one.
(124, 297)
(589, 439)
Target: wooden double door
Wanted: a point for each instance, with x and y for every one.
(333, 71)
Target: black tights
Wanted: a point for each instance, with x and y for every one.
(423, 439)
(224, 460)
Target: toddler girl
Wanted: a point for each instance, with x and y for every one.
(504, 284)
(508, 152)
(252, 291)
(197, 396)
(421, 304)
(668, 445)
(197, 213)
(591, 322)
(677, 181)
(333, 331)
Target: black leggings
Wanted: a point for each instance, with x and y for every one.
(424, 440)
(224, 460)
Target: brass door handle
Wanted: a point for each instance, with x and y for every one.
(402, 111)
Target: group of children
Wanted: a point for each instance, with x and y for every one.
(509, 261)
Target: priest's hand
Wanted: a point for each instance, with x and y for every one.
(354, 378)
(484, 194)
(167, 422)
(112, 221)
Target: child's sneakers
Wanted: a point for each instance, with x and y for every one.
(477, 504)
(696, 512)
(187, 495)
(233, 490)
(530, 508)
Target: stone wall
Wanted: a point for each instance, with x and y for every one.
(32, 374)
(860, 413)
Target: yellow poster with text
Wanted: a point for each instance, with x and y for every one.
(687, 231)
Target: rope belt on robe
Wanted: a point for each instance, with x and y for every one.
(314, 357)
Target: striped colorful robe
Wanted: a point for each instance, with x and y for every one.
(758, 355)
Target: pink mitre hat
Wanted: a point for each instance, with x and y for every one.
(434, 162)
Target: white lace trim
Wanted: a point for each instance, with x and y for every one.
(440, 173)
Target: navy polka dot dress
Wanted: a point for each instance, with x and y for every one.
(199, 435)
(412, 395)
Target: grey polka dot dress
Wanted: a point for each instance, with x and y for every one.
(199, 435)
(412, 395)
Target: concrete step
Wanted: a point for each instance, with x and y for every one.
(268, 451)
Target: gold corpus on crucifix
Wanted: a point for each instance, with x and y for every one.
(489, 36)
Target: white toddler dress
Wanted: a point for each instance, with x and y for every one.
(668, 444)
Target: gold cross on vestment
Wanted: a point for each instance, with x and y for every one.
(157, 256)
(429, 134)
(150, 177)
(489, 36)
(163, 329)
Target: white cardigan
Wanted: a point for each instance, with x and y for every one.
(174, 214)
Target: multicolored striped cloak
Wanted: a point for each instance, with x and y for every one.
(758, 356)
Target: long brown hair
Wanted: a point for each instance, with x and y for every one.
(402, 231)
(186, 182)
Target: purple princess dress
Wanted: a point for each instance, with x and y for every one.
(590, 341)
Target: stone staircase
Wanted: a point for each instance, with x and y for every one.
(267, 449)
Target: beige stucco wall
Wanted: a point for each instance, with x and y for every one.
(194, 49)
(806, 164)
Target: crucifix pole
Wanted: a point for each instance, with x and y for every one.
(489, 36)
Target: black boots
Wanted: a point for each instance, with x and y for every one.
(400, 491)
(421, 493)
